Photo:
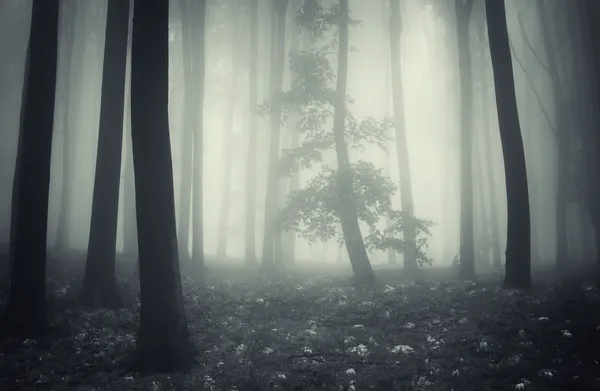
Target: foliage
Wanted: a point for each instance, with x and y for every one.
(313, 210)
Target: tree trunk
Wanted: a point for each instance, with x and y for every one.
(518, 240)
(229, 123)
(588, 10)
(163, 339)
(129, 223)
(467, 245)
(99, 283)
(563, 142)
(250, 231)
(70, 14)
(199, 10)
(387, 85)
(26, 309)
(187, 131)
(271, 235)
(361, 266)
(406, 199)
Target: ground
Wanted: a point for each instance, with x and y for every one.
(308, 331)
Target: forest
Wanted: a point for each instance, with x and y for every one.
(299, 195)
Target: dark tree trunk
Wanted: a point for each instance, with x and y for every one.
(26, 309)
(187, 131)
(588, 10)
(198, 8)
(518, 241)
(271, 234)
(406, 198)
(359, 259)
(163, 339)
(99, 283)
(467, 245)
(250, 231)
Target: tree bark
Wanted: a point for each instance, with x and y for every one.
(99, 283)
(271, 235)
(467, 245)
(26, 308)
(518, 243)
(163, 341)
(251, 166)
(359, 259)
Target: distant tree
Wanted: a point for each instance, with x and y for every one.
(271, 238)
(188, 128)
(99, 283)
(463, 9)
(26, 309)
(229, 123)
(198, 9)
(406, 198)
(518, 237)
(163, 339)
(251, 174)
(70, 13)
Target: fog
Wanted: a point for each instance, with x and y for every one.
(431, 105)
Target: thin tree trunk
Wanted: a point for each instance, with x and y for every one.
(387, 85)
(518, 242)
(199, 9)
(346, 205)
(250, 231)
(163, 340)
(271, 235)
(563, 143)
(467, 244)
(130, 243)
(406, 198)
(99, 283)
(69, 14)
(187, 131)
(26, 308)
(229, 124)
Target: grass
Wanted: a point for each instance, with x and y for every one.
(306, 331)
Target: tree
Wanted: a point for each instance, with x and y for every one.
(489, 166)
(70, 12)
(347, 209)
(188, 129)
(463, 10)
(163, 339)
(250, 232)
(198, 8)
(26, 309)
(99, 285)
(270, 234)
(518, 238)
(410, 249)
(228, 138)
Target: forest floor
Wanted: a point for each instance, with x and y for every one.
(308, 331)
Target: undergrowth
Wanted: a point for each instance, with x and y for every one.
(293, 333)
